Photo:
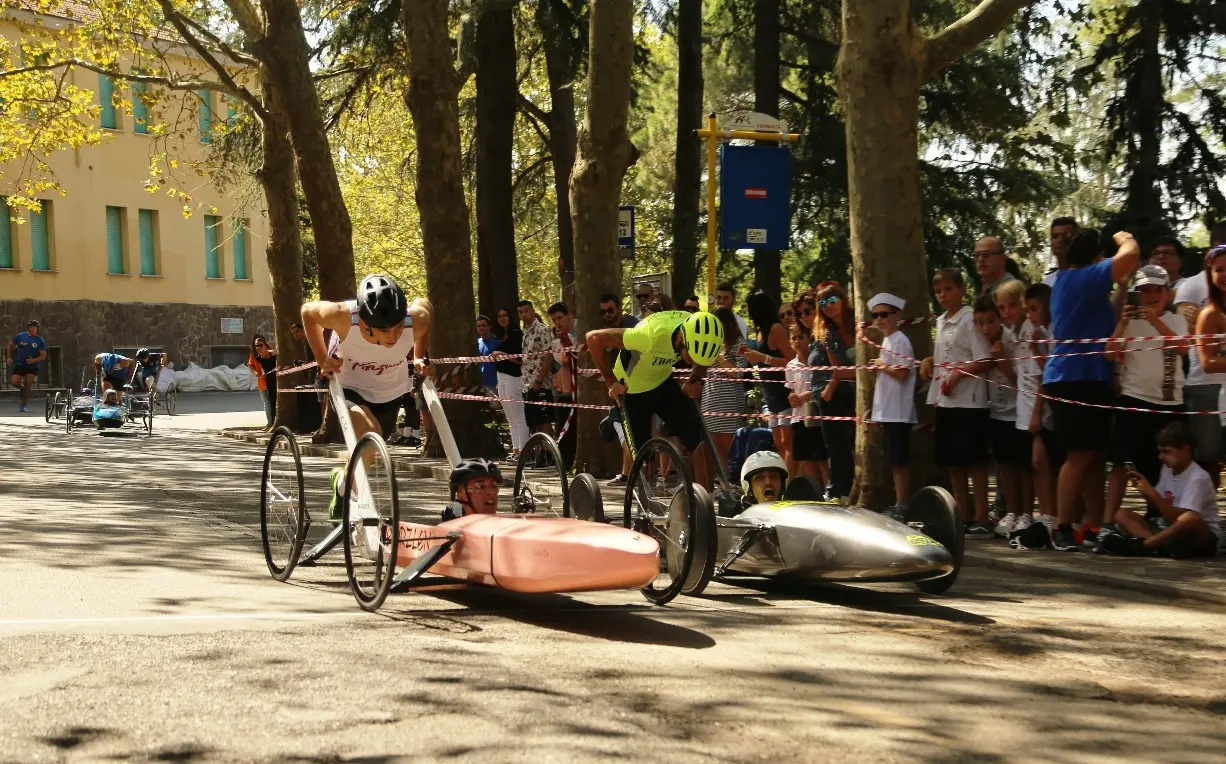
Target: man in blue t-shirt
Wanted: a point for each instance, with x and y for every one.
(114, 369)
(487, 343)
(1081, 309)
(27, 350)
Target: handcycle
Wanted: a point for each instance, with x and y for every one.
(534, 548)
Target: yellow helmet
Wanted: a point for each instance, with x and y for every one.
(704, 337)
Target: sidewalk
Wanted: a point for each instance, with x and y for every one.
(1202, 580)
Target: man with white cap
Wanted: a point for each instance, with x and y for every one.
(894, 398)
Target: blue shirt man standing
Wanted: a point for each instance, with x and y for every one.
(27, 350)
(487, 343)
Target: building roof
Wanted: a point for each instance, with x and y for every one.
(84, 12)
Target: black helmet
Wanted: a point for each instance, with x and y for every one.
(142, 354)
(381, 303)
(470, 469)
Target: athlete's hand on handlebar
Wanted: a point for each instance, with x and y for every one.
(617, 390)
(423, 368)
(692, 388)
(330, 365)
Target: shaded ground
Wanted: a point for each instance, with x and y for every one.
(139, 623)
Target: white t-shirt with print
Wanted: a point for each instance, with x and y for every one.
(1193, 490)
(796, 380)
(1030, 375)
(959, 341)
(1196, 291)
(1154, 374)
(1002, 397)
(893, 399)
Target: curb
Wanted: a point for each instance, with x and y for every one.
(1035, 565)
(1112, 579)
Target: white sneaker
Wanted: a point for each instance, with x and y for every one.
(1005, 526)
(1022, 523)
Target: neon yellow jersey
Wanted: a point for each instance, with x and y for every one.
(649, 355)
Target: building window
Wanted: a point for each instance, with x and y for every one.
(212, 246)
(240, 249)
(234, 356)
(148, 242)
(206, 116)
(40, 237)
(116, 260)
(6, 235)
(106, 99)
(140, 110)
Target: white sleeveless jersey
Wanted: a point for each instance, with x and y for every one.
(376, 372)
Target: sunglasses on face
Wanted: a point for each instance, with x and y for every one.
(607, 311)
(642, 297)
(806, 311)
(883, 314)
(831, 300)
(787, 313)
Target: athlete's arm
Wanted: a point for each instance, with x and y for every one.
(422, 313)
(600, 340)
(12, 347)
(317, 316)
(42, 355)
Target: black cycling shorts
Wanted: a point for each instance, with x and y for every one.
(384, 413)
(673, 407)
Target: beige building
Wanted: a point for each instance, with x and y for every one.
(109, 266)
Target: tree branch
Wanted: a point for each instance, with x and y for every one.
(169, 82)
(529, 171)
(793, 97)
(536, 111)
(176, 19)
(218, 42)
(965, 34)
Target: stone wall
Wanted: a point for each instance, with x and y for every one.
(83, 328)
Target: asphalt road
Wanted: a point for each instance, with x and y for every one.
(138, 622)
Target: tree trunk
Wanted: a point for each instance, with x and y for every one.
(284, 250)
(1142, 212)
(687, 181)
(766, 266)
(560, 69)
(595, 191)
(882, 63)
(444, 213)
(283, 47)
(496, 94)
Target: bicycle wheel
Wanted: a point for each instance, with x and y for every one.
(372, 522)
(72, 414)
(172, 401)
(283, 515)
(540, 479)
(663, 512)
(47, 404)
(704, 543)
(149, 423)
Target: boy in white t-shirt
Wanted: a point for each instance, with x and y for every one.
(1183, 519)
(1151, 378)
(961, 417)
(1002, 410)
(894, 397)
(1032, 415)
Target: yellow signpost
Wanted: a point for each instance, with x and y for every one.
(760, 129)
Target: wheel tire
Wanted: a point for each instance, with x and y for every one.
(388, 532)
(282, 437)
(72, 414)
(935, 508)
(149, 423)
(540, 446)
(705, 544)
(585, 500)
(172, 401)
(676, 541)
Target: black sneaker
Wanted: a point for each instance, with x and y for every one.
(1117, 544)
(979, 531)
(1062, 539)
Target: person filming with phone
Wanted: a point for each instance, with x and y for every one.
(1148, 351)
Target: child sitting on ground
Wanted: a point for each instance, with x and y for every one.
(894, 397)
(1183, 520)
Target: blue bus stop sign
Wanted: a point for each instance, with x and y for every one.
(755, 200)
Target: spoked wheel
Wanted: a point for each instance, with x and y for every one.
(171, 401)
(933, 512)
(584, 498)
(704, 543)
(283, 515)
(540, 479)
(149, 423)
(665, 511)
(71, 415)
(372, 522)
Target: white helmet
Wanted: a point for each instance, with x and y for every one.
(759, 461)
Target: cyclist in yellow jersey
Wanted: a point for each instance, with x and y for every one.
(642, 376)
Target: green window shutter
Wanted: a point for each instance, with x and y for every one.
(6, 235)
(114, 240)
(148, 244)
(212, 257)
(106, 95)
(240, 249)
(206, 116)
(140, 111)
(40, 244)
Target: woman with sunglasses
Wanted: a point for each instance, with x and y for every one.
(263, 361)
(510, 378)
(827, 312)
(774, 352)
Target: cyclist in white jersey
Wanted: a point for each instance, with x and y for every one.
(373, 338)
